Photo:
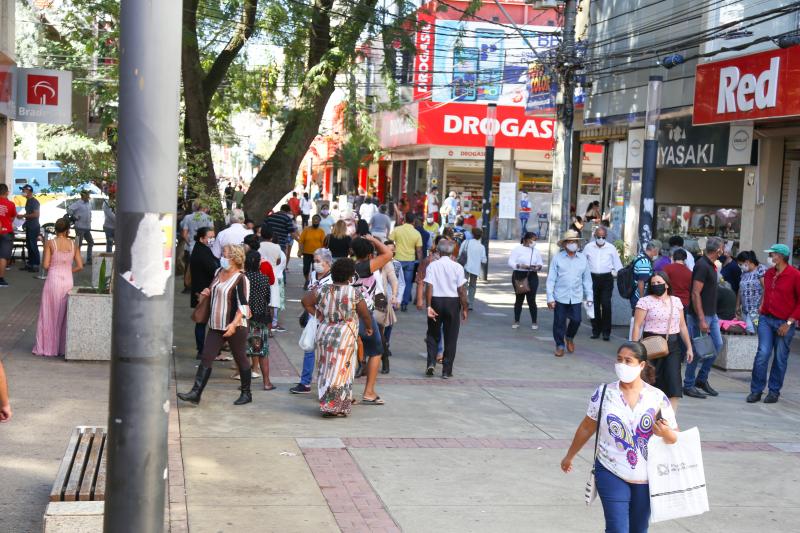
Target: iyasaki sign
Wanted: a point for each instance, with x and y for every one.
(458, 124)
(751, 87)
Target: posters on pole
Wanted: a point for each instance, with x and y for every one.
(508, 200)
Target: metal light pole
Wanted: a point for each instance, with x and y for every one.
(150, 61)
(650, 160)
(490, 130)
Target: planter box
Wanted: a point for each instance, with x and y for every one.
(88, 325)
(738, 352)
(97, 260)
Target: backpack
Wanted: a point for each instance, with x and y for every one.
(625, 280)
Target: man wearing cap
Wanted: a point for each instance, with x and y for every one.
(780, 311)
(32, 229)
(569, 282)
(81, 213)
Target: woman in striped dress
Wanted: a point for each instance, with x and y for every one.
(61, 259)
(338, 307)
(228, 320)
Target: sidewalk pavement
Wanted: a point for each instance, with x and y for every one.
(476, 453)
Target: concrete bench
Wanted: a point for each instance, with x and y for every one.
(76, 499)
(738, 352)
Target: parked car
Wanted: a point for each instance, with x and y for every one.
(54, 209)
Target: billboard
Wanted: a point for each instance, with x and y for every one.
(479, 62)
(44, 96)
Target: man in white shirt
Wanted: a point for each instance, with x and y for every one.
(305, 209)
(474, 253)
(233, 234)
(367, 210)
(432, 204)
(446, 296)
(604, 263)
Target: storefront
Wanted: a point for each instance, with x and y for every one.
(758, 96)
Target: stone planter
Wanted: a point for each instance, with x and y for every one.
(738, 352)
(88, 325)
(97, 261)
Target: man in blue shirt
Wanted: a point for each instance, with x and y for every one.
(32, 229)
(569, 283)
(643, 270)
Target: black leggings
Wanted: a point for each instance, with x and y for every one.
(237, 341)
(533, 283)
(308, 262)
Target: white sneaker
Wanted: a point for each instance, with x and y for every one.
(515, 325)
(534, 327)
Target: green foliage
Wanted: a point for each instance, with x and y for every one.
(625, 254)
(102, 279)
(192, 178)
(83, 159)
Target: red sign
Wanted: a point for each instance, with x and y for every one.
(42, 90)
(459, 124)
(423, 61)
(756, 86)
(6, 79)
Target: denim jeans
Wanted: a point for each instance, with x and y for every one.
(769, 343)
(561, 329)
(626, 506)
(308, 368)
(109, 239)
(472, 286)
(690, 379)
(408, 274)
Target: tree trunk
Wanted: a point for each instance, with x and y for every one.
(327, 56)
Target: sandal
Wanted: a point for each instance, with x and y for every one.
(270, 387)
(375, 401)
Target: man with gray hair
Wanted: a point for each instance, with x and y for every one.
(446, 297)
(702, 318)
(233, 234)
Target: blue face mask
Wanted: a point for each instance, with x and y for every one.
(225, 263)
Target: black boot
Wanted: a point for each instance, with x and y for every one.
(385, 363)
(200, 380)
(245, 396)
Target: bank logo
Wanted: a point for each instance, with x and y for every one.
(42, 90)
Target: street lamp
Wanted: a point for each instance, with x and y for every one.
(490, 127)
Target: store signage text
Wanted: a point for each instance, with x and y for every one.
(755, 86)
(510, 127)
(423, 61)
(681, 145)
(688, 156)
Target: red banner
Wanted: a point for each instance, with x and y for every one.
(423, 61)
(458, 124)
(756, 86)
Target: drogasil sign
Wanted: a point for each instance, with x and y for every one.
(756, 86)
(423, 61)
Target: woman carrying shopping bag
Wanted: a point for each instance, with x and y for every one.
(622, 416)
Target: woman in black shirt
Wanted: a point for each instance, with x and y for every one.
(258, 338)
(338, 242)
(202, 265)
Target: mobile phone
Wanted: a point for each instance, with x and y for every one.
(658, 416)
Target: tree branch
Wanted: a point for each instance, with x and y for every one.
(228, 54)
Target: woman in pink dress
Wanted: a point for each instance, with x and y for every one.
(61, 259)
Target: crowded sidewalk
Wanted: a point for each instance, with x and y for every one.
(479, 452)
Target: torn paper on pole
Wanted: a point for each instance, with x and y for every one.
(151, 254)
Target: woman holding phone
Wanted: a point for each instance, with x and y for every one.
(526, 262)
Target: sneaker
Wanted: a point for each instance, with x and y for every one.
(3, 283)
(534, 327)
(279, 329)
(430, 371)
(300, 389)
(515, 325)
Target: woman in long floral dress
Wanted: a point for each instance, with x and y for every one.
(337, 308)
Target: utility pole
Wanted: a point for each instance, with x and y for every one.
(650, 160)
(490, 129)
(150, 61)
(566, 64)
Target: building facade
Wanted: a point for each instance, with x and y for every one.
(7, 90)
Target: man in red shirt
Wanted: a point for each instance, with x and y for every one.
(780, 310)
(8, 211)
(294, 204)
(680, 276)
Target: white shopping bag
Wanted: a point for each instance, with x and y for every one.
(589, 308)
(308, 339)
(676, 476)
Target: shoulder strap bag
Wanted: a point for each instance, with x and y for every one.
(521, 285)
(591, 485)
(656, 345)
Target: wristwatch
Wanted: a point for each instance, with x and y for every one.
(790, 322)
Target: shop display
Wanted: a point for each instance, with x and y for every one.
(694, 222)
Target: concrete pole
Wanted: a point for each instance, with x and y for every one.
(488, 171)
(650, 161)
(150, 55)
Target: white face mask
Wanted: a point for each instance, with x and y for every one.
(600, 241)
(210, 241)
(627, 373)
(770, 261)
(225, 263)
(572, 247)
(319, 268)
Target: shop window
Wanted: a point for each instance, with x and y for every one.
(693, 222)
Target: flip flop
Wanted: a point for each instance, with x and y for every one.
(272, 387)
(376, 401)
